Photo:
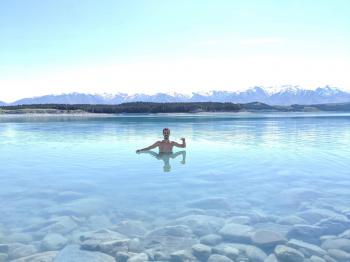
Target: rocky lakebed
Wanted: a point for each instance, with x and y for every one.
(312, 227)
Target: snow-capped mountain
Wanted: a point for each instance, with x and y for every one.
(283, 95)
(72, 98)
(297, 95)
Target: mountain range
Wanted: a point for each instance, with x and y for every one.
(284, 95)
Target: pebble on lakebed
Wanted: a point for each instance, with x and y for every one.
(267, 238)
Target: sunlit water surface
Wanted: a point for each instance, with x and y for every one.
(85, 168)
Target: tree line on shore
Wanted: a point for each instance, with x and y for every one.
(181, 107)
(137, 107)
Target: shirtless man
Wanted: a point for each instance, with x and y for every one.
(165, 146)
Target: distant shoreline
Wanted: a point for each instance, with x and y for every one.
(158, 108)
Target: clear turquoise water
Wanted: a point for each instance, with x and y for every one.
(86, 167)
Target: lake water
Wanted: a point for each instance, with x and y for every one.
(245, 184)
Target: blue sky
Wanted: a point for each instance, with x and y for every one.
(160, 46)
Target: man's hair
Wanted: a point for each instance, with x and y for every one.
(165, 129)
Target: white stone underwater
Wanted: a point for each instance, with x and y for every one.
(248, 187)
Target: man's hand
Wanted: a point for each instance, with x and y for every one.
(183, 145)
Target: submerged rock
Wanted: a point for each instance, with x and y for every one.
(271, 258)
(236, 232)
(182, 256)
(105, 240)
(122, 256)
(73, 253)
(339, 243)
(130, 228)
(317, 259)
(135, 245)
(48, 256)
(141, 257)
(18, 250)
(200, 251)
(291, 220)
(219, 258)
(53, 241)
(310, 248)
(288, 254)
(60, 225)
(169, 244)
(244, 220)
(170, 238)
(254, 253)
(329, 259)
(108, 247)
(228, 251)
(176, 231)
(314, 215)
(324, 238)
(201, 224)
(187, 212)
(259, 217)
(345, 234)
(267, 238)
(339, 255)
(308, 233)
(157, 255)
(334, 225)
(278, 228)
(102, 235)
(292, 197)
(211, 239)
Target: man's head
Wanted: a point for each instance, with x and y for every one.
(166, 133)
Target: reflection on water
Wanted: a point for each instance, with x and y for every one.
(251, 182)
(166, 158)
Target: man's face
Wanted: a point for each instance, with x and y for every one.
(166, 133)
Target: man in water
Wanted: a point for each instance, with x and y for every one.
(165, 146)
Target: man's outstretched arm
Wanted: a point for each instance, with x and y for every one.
(183, 145)
(156, 144)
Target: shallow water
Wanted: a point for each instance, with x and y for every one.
(253, 169)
